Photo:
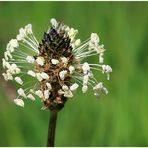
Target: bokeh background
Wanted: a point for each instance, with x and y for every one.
(118, 119)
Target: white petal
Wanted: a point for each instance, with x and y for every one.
(19, 102)
(74, 87)
(18, 80)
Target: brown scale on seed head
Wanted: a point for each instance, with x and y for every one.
(54, 46)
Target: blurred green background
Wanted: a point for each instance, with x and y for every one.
(118, 119)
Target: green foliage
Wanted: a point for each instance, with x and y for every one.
(118, 119)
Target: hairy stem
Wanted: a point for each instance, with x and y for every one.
(52, 128)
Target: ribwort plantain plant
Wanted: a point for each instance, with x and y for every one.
(56, 65)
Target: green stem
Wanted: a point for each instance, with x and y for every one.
(52, 128)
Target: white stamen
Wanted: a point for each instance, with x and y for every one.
(84, 88)
(99, 86)
(71, 69)
(101, 59)
(106, 69)
(85, 68)
(65, 88)
(31, 97)
(104, 90)
(46, 94)
(44, 75)
(28, 29)
(54, 22)
(19, 102)
(68, 94)
(39, 77)
(54, 61)
(7, 55)
(49, 86)
(31, 73)
(5, 64)
(62, 74)
(39, 93)
(14, 43)
(18, 80)
(77, 42)
(74, 87)
(21, 93)
(30, 59)
(40, 61)
(85, 79)
(7, 76)
(64, 60)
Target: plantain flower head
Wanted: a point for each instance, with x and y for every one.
(53, 69)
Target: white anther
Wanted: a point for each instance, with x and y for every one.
(86, 68)
(49, 86)
(54, 22)
(54, 61)
(31, 97)
(74, 87)
(84, 88)
(44, 75)
(40, 61)
(46, 94)
(98, 86)
(19, 102)
(14, 43)
(39, 77)
(77, 42)
(39, 93)
(62, 74)
(68, 94)
(64, 60)
(71, 69)
(65, 88)
(31, 73)
(30, 59)
(85, 79)
(28, 29)
(18, 80)
(21, 92)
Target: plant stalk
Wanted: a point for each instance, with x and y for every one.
(52, 128)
